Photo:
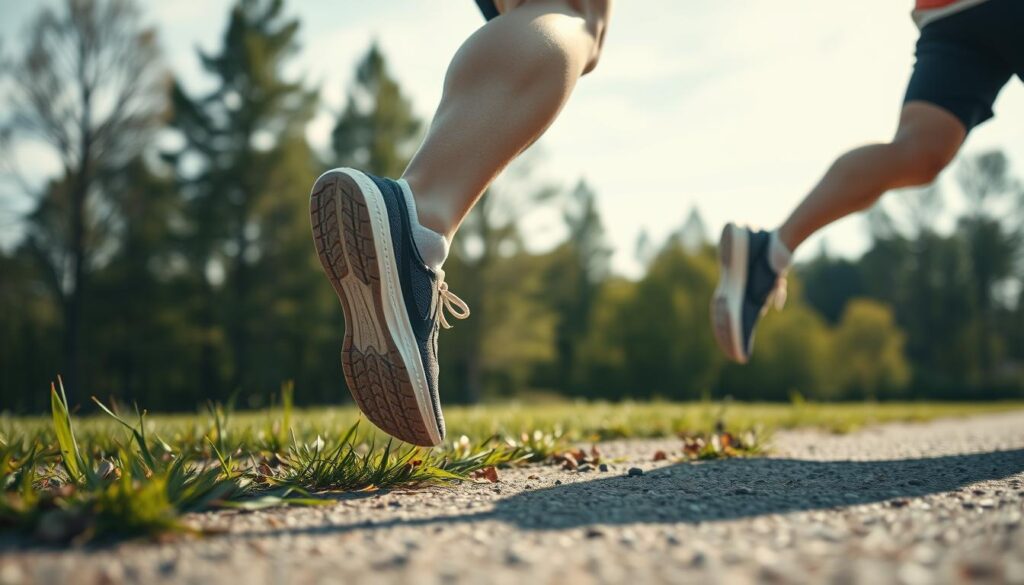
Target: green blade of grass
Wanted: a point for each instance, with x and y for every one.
(76, 465)
(138, 434)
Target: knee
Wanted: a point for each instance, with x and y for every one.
(922, 160)
(596, 15)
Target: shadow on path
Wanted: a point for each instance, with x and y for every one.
(723, 490)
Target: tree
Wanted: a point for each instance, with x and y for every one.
(29, 333)
(573, 280)
(138, 331)
(378, 129)
(666, 341)
(602, 355)
(89, 87)
(830, 283)
(264, 308)
(986, 182)
(792, 355)
(868, 357)
(491, 270)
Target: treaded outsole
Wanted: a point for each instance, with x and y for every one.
(376, 376)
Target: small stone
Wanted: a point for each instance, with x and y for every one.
(978, 570)
(743, 491)
(602, 467)
(634, 472)
(166, 568)
(987, 503)
(585, 468)
(593, 533)
(398, 560)
(558, 482)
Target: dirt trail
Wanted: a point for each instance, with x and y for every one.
(910, 503)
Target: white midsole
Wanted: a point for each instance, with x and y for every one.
(732, 285)
(398, 325)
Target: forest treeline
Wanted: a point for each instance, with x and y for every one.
(169, 261)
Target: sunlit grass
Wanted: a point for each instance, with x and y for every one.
(121, 472)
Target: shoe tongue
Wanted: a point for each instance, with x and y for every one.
(432, 246)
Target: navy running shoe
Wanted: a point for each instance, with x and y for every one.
(393, 302)
(747, 285)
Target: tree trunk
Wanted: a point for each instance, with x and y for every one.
(73, 298)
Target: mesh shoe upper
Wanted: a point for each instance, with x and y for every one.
(761, 281)
(419, 287)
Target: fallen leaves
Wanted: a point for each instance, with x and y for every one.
(489, 474)
(720, 445)
(578, 459)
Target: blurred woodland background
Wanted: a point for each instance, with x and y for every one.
(170, 260)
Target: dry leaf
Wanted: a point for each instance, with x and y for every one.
(487, 473)
(569, 462)
(726, 439)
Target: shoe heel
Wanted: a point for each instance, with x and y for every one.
(725, 244)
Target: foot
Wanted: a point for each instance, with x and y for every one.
(746, 284)
(392, 301)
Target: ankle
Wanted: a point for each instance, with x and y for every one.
(788, 238)
(433, 206)
(432, 245)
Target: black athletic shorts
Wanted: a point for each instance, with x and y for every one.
(488, 8)
(965, 59)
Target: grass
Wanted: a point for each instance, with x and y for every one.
(67, 479)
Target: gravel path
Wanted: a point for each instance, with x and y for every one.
(914, 504)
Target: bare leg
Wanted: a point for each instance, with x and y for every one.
(927, 140)
(504, 87)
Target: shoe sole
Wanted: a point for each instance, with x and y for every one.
(380, 357)
(727, 302)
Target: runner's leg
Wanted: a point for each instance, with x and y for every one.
(504, 87)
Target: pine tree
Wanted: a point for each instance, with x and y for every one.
(378, 129)
(243, 169)
(578, 268)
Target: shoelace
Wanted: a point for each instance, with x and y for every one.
(449, 302)
(777, 296)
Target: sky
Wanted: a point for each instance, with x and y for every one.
(733, 106)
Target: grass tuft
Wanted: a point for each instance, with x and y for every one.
(110, 476)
